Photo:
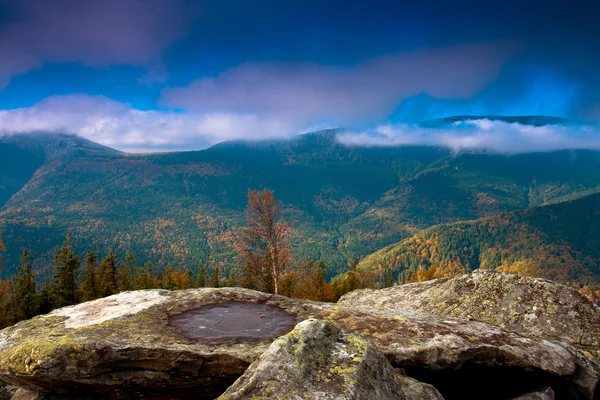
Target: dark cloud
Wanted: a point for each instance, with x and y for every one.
(364, 93)
(98, 33)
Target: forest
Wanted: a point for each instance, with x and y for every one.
(78, 278)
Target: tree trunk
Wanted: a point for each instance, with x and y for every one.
(275, 277)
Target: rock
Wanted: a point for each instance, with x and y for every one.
(530, 306)
(7, 391)
(25, 394)
(319, 359)
(196, 343)
(547, 394)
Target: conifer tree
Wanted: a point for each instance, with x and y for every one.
(89, 289)
(201, 282)
(231, 279)
(214, 277)
(44, 301)
(126, 272)
(168, 281)
(389, 278)
(2, 249)
(25, 296)
(109, 275)
(66, 264)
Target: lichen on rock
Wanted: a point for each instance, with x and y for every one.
(319, 361)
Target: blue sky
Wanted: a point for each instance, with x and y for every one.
(176, 74)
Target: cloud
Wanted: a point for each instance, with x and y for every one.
(96, 33)
(120, 126)
(492, 136)
(364, 93)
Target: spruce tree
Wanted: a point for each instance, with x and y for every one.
(44, 300)
(109, 275)
(168, 281)
(389, 278)
(89, 290)
(214, 277)
(126, 272)
(201, 282)
(25, 296)
(2, 249)
(66, 264)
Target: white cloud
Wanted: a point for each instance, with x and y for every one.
(120, 126)
(494, 136)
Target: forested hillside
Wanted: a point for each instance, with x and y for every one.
(557, 242)
(181, 209)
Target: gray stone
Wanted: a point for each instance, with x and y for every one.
(529, 306)
(320, 360)
(134, 345)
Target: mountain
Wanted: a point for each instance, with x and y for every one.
(183, 208)
(533, 120)
(557, 242)
(23, 154)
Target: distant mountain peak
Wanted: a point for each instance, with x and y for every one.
(533, 120)
(54, 146)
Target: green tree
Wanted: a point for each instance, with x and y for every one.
(66, 265)
(214, 277)
(89, 289)
(201, 282)
(168, 281)
(25, 296)
(231, 279)
(389, 278)
(2, 249)
(44, 300)
(126, 273)
(109, 275)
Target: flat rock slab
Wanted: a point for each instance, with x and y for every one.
(530, 306)
(142, 344)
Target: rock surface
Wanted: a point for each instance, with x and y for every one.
(521, 304)
(134, 345)
(320, 360)
(547, 394)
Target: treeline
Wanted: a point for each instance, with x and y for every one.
(78, 279)
(557, 242)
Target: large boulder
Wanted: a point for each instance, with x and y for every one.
(530, 306)
(319, 359)
(196, 343)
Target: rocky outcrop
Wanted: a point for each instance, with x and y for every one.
(529, 306)
(196, 343)
(547, 394)
(319, 359)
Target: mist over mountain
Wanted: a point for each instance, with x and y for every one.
(182, 208)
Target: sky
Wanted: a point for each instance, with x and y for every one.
(155, 75)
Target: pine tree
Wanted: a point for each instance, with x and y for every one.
(66, 264)
(89, 289)
(109, 275)
(231, 279)
(2, 249)
(168, 282)
(389, 278)
(214, 277)
(25, 296)
(126, 273)
(201, 276)
(44, 301)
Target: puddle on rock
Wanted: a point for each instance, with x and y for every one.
(234, 320)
